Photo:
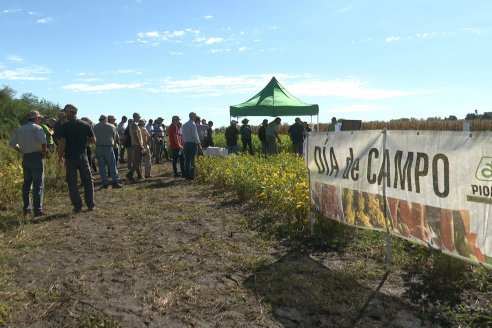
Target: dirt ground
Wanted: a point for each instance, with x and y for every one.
(166, 252)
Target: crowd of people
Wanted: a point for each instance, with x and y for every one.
(71, 138)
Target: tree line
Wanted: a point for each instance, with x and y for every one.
(13, 111)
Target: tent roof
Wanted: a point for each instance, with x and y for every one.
(273, 100)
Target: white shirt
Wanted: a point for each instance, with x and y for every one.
(190, 133)
(150, 128)
(121, 129)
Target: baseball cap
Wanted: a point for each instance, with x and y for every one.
(33, 114)
(70, 108)
(102, 117)
(233, 122)
(175, 117)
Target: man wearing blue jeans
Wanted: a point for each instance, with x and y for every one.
(191, 143)
(176, 146)
(106, 137)
(75, 134)
(30, 140)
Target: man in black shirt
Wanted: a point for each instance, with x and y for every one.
(75, 135)
(231, 136)
(296, 133)
(262, 136)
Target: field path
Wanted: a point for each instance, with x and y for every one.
(164, 252)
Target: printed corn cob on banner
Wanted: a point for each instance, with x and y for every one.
(435, 187)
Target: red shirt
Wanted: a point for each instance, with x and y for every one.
(174, 131)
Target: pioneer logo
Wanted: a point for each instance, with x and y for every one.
(484, 169)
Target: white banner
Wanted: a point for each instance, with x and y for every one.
(435, 186)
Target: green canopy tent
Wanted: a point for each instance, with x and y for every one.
(274, 100)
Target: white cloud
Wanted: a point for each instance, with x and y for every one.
(11, 11)
(31, 73)
(14, 58)
(152, 34)
(476, 30)
(44, 20)
(342, 10)
(214, 51)
(429, 35)
(155, 38)
(297, 85)
(208, 17)
(175, 53)
(177, 34)
(392, 39)
(212, 85)
(128, 71)
(82, 87)
(242, 49)
(214, 40)
(349, 88)
(357, 108)
(366, 40)
(89, 79)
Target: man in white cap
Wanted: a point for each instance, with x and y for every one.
(75, 135)
(30, 141)
(106, 140)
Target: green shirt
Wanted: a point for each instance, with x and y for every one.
(49, 134)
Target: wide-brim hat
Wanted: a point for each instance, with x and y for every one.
(103, 117)
(245, 120)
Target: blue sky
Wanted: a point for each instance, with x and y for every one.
(369, 60)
